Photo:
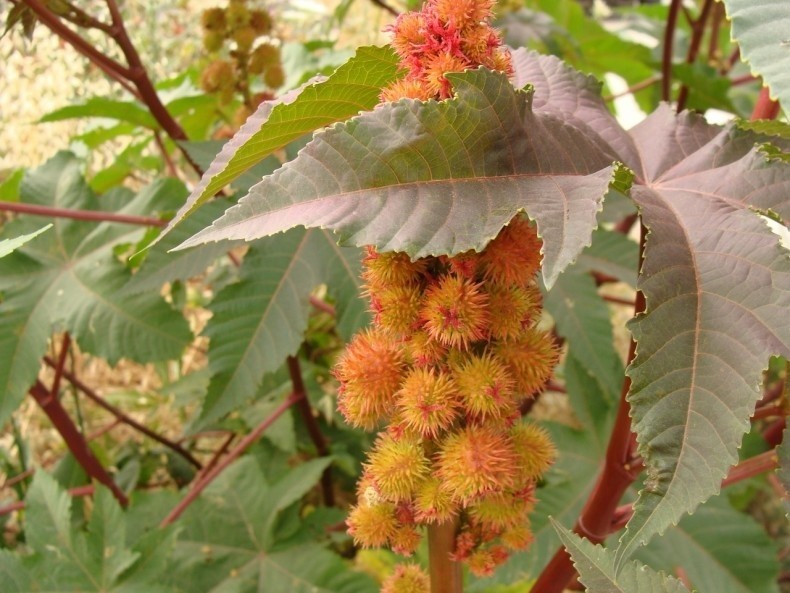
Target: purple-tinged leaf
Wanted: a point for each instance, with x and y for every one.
(717, 284)
(353, 88)
(433, 177)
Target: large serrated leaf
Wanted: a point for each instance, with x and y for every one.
(228, 540)
(595, 565)
(717, 285)
(260, 321)
(61, 557)
(10, 245)
(354, 87)
(437, 178)
(761, 29)
(69, 278)
(719, 549)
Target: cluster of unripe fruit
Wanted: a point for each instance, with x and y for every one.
(252, 52)
(453, 351)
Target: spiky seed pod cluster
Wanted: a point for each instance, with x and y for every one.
(447, 375)
(252, 52)
(445, 36)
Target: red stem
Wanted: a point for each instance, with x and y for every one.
(61, 363)
(75, 441)
(619, 471)
(306, 411)
(118, 413)
(765, 108)
(698, 30)
(87, 215)
(666, 59)
(210, 476)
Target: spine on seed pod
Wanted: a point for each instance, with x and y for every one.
(453, 350)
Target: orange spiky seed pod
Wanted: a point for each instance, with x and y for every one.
(397, 466)
(397, 309)
(433, 503)
(464, 13)
(513, 257)
(513, 309)
(518, 537)
(485, 387)
(262, 57)
(370, 372)
(530, 359)
(428, 402)
(213, 40)
(407, 578)
(244, 37)
(455, 312)
(498, 511)
(217, 76)
(237, 15)
(385, 270)
(534, 449)
(475, 461)
(405, 540)
(373, 525)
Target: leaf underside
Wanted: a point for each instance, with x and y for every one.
(433, 178)
(353, 88)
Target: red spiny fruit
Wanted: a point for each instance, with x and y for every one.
(433, 503)
(513, 309)
(427, 402)
(464, 13)
(370, 372)
(530, 359)
(372, 525)
(534, 449)
(455, 312)
(397, 309)
(385, 270)
(518, 537)
(407, 578)
(475, 461)
(397, 467)
(498, 511)
(485, 386)
(405, 540)
(513, 257)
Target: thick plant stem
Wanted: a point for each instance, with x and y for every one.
(74, 439)
(666, 59)
(445, 573)
(766, 108)
(619, 471)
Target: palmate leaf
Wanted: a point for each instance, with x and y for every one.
(761, 29)
(717, 284)
(437, 177)
(100, 558)
(354, 87)
(719, 549)
(9, 245)
(70, 279)
(595, 565)
(260, 320)
(230, 540)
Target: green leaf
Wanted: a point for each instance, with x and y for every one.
(9, 245)
(583, 319)
(595, 565)
(719, 549)
(448, 175)
(717, 285)
(761, 29)
(228, 540)
(354, 87)
(707, 88)
(160, 266)
(65, 559)
(260, 320)
(69, 278)
(128, 111)
(613, 254)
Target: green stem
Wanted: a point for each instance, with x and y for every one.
(446, 576)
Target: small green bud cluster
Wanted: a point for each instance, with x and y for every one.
(453, 351)
(252, 52)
